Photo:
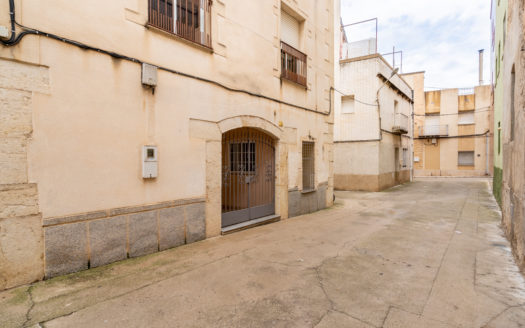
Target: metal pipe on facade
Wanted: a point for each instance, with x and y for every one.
(487, 154)
(481, 53)
(394, 72)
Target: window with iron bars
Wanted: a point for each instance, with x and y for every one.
(188, 19)
(242, 157)
(308, 166)
(293, 64)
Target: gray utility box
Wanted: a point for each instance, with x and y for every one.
(149, 75)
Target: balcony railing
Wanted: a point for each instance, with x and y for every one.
(432, 131)
(188, 19)
(293, 64)
(400, 124)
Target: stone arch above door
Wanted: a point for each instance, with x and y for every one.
(247, 121)
(211, 133)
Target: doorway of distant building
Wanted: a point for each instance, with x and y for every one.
(248, 176)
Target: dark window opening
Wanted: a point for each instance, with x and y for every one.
(308, 166)
(242, 157)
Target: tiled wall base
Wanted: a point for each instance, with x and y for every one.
(93, 239)
(300, 203)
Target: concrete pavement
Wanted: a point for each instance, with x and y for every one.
(426, 254)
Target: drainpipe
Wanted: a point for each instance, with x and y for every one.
(487, 154)
(394, 72)
(481, 52)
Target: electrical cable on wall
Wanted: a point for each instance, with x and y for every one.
(355, 99)
(15, 39)
(477, 110)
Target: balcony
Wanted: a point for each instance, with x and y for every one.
(293, 64)
(187, 19)
(400, 124)
(433, 131)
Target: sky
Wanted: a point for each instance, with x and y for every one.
(440, 37)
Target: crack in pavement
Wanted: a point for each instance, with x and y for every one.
(386, 315)
(144, 286)
(333, 306)
(29, 292)
(501, 313)
(445, 252)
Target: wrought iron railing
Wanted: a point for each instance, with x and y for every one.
(293, 64)
(189, 19)
(433, 131)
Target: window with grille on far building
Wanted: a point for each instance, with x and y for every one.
(405, 157)
(188, 19)
(348, 105)
(308, 166)
(466, 158)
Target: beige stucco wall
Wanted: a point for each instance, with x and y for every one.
(446, 162)
(513, 195)
(416, 81)
(21, 232)
(91, 124)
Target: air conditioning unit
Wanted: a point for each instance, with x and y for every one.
(434, 141)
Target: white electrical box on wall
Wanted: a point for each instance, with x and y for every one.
(4, 32)
(149, 162)
(149, 75)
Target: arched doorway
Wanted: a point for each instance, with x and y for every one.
(248, 175)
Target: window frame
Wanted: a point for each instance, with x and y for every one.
(243, 157)
(345, 99)
(294, 62)
(405, 157)
(464, 114)
(473, 158)
(308, 163)
(168, 21)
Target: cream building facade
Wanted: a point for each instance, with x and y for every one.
(453, 130)
(133, 126)
(512, 86)
(373, 129)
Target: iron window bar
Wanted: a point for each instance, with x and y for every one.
(293, 64)
(188, 19)
(308, 166)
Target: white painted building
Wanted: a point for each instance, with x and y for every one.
(373, 126)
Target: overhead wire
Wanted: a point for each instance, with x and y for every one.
(355, 99)
(475, 111)
(15, 39)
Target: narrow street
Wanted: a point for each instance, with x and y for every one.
(426, 254)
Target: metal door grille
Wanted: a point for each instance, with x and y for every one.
(248, 176)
